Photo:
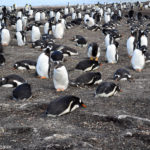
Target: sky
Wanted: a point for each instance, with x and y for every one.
(56, 2)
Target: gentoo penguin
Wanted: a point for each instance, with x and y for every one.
(12, 80)
(143, 39)
(93, 51)
(21, 39)
(138, 58)
(112, 53)
(22, 92)
(5, 37)
(19, 25)
(39, 44)
(2, 59)
(43, 64)
(37, 16)
(43, 16)
(64, 105)
(56, 57)
(131, 43)
(25, 65)
(122, 74)
(82, 42)
(147, 57)
(60, 78)
(109, 40)
(90, 22)
(88, 78)
(35, 33)
(87, 65)
(59, 30)
(107, 89)
(107, 17)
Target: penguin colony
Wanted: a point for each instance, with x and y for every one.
(45, 28)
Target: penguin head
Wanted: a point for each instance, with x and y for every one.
(77, 102)
(16, 65)
(47, 51)
(118, 89)
(116, 44)
(143, 49)
(97, 76)
(3, 80)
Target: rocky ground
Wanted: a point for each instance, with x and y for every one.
(118, 122)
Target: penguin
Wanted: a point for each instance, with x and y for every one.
(112, 53)
(147, 57)
(138, 58)
(46, 28)
(64, 105)
(24, 21)
(131, 43)
(57, 16)
(43, 16)
(12, 80)
(77, 37)
(37, 16)
(87, 65)
(107, 89)
(22, 92)
(56, 57)
(35, 33)
(39, 44)
(143, 39)
(59, 30)
(107, 17)
(60, 78)
(88, 78)
(90, 22)
(109, 40)
(21, 39)
(2, 59)
(43, 64)
(93, 51)
(5, 37)
(82, 42)
(25, 65)
(19, 25)
(122, 74)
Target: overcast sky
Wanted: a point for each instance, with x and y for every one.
(56, 2)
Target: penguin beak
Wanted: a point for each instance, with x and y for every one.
(101, 64)
(83, 105)
(121, 90)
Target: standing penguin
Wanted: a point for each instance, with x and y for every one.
(58, 32)
(5, 37)
(60, 78)
(35, 34)
(94, 51)
(37, 16)
(21, 38)
(138, 59)
(143, 39)
(112, 53)
(109, 40)
(43, 64)
(131, 43)
(64, 105)
(19, 25)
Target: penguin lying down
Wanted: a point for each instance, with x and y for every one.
(64, 105)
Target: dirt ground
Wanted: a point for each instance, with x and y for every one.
(118, 122)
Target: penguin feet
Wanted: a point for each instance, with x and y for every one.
(59, 90)
(129, 56)
(43, 77)
(138, 70)
(91, 58)
(96, 59)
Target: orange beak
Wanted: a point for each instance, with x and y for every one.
(83, 105)
(101, 64)
(121, 90)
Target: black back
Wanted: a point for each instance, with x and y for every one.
(2, 59)
(23, 91)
